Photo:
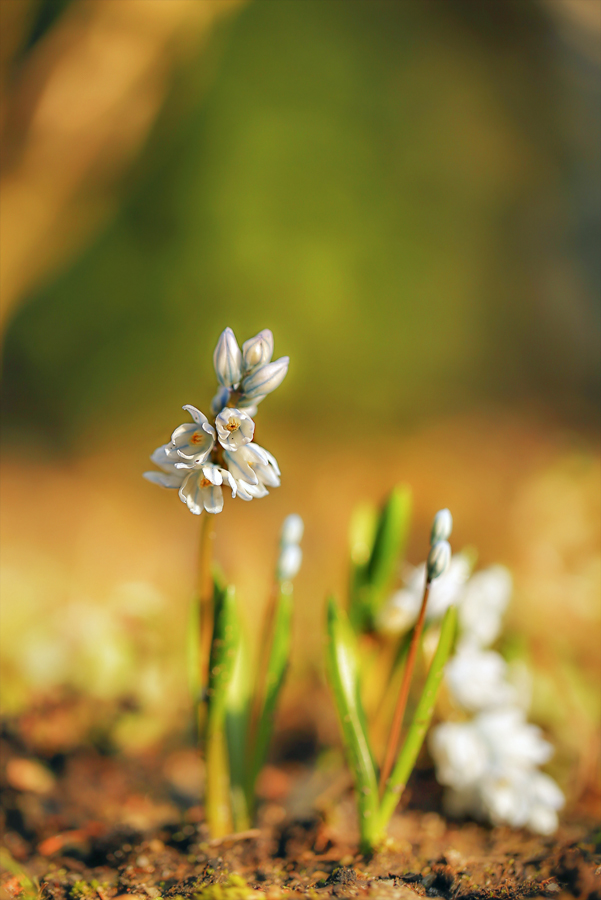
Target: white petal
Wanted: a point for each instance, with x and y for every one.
(237, 464)
(165, 480)
(190, 494)
(196, 414)
(213, 499)
(212, 474)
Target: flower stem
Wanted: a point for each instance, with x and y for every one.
(205, 595)
(399, 713)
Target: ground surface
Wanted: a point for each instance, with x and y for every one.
(87, 825)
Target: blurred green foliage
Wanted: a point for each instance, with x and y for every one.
(395, 189)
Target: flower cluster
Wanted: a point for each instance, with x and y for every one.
(489, 762)
(202, 456)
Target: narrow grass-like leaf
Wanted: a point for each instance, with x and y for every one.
(221, 667)
(372, 580)
(344, 679)
(389, 543)
(362, 532)
(279, 654)
(236, 724)
(421, 721)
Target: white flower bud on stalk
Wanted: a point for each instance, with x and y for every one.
(265, 379)
(227, 359)
(257, 351)
(289, 562)
(439, 559)
(292, 530)
(442, 526)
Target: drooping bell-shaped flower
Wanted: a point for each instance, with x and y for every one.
(254, 469)
(166, 459)
(201, 489)
(194, 440)
(235, 428)
(227, 359)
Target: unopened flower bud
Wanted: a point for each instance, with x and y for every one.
(257, 351)
(292, 530)
(266, 378)
(289, 562)
(227, 359)
(220, 400)
(439, 558)
(442, 526)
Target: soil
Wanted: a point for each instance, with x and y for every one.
(84, 824)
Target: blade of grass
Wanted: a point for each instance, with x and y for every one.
(344, 679)
(421, 721)
(279, 653)
(373, 581)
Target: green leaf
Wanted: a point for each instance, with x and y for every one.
(276, 671)
(236, 725)
(221, 667)
(421, 720)
(371, 580)
(344, 679)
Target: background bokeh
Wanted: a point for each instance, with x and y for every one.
(407, 192)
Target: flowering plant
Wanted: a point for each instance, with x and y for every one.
(487, 754)
(375, 550)
(235, 717)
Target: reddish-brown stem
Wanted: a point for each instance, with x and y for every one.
(399, 713)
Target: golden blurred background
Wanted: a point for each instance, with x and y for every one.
(407, 192)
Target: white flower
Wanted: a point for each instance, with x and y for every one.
(265, 379)
(194, 440)
(227, 359)
(201, 489)
(523, 798)
(485, 600)
(460, 753)
(489, 768)
(513, 742)
(257, 351)
(166, 458)
(234, 428)
(476, 679)
(442, 526)
(254, 469)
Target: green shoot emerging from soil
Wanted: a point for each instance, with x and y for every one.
(376, 547)
(234, 708)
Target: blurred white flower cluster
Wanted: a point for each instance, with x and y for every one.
(489, 762)
(202, 456)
